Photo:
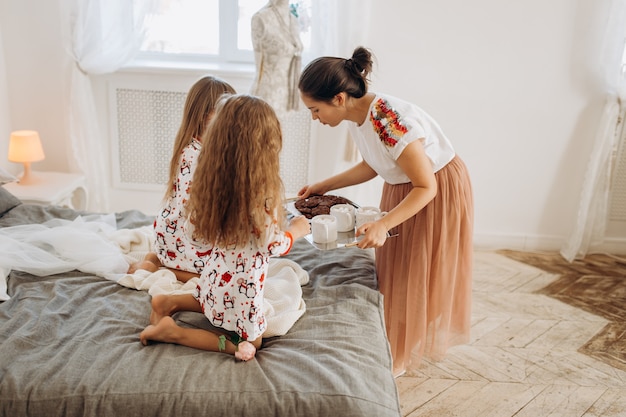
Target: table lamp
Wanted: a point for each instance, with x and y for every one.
(25, 147)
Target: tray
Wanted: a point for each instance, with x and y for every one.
(344, 239)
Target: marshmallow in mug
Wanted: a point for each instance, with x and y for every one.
(324, 228)
(345, 215)
(368, 214)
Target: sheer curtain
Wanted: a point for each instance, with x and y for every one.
(104, 35)
(337, 27)
(5, 126)
(591, 221)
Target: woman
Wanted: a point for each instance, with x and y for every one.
(425, 272)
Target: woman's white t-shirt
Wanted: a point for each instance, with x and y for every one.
(390, 126)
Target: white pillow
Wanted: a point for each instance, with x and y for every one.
(5, 177)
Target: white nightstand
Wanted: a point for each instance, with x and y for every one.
(55, 188)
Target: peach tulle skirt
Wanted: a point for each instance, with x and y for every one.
(425, 273)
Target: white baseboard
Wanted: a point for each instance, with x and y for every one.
(527, 243)
(614, 246)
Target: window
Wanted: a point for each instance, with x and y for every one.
(203, 30)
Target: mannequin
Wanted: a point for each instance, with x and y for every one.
(277, 49)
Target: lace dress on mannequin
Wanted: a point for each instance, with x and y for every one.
(277, 50)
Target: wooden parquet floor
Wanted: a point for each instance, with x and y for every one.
(548, 340)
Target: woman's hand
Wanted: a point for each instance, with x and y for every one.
(299, 227)
(375, 235)
(313, 189)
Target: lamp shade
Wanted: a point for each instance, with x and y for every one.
(25, 146)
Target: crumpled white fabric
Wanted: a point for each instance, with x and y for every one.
(92, 244)
(283, 304)
(58, 246)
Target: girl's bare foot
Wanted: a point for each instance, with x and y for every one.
(145, 265)
(152, 257)
(163, 331)
(245, 351)
(149, 263)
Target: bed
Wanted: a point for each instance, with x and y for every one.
(69, 345)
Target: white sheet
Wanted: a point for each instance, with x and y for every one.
(58, 246)
(92, 244)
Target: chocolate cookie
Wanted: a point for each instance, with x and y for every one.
(318, 204)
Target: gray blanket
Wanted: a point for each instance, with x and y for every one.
(69, 346)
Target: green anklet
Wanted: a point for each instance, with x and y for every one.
(221, 342)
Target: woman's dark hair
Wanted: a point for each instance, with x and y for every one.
(326, 77)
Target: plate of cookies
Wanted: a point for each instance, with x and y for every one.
(334, 219)
(325, 233)
(315, 205)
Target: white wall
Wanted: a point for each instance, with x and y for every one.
(36, 77)
(5, 125)
(515, 84)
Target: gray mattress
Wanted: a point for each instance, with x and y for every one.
(69, 346)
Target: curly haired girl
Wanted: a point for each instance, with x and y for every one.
(237, 233)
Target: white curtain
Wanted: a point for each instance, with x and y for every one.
(5, 126)
(339, 26)
(591, 221)
(104, 35)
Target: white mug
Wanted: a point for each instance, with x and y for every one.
(345, 215)
(324, 228)
(368, 214)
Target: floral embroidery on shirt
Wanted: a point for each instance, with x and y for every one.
(387, 123)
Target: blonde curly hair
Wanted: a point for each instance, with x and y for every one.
(237, 183)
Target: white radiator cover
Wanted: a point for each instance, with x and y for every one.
(144, 122)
